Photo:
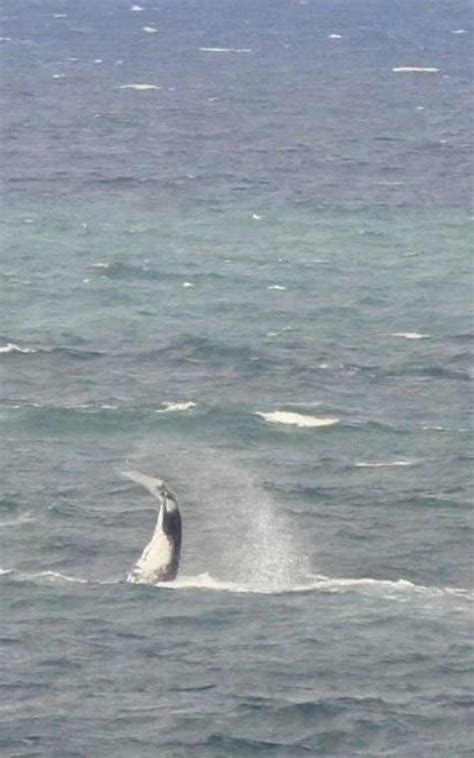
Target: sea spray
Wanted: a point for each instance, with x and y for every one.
(232, 528)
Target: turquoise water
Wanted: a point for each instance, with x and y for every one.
(252, 278)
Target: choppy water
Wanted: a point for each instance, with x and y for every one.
(252, 278)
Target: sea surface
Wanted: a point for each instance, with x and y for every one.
(236, 243)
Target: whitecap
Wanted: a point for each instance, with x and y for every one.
(150, 29)
(410, 335)
(383, 464)
(10, 347)
(334, 36)
(100, 265)
(459, 31)
(256, 217)
(415, 70)
(139, 87)
(225, 49)
(98, 60)
(297, 419)
(59, 15)
(173, 407)
(59, 76)
(136, 8)
(276, 287)
(186, 285)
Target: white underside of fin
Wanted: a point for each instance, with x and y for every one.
(155, 559)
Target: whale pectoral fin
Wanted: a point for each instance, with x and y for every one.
(143, 479)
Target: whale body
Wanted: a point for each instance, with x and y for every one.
(159, 561)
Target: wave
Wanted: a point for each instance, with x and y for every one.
(415, 69)
(10, 347)
(399, 589)
(52, 576)
(173, 407)
(140, 87)
(383, 464)
(49, 576)
(225, 49)
(410, 335)
(24, 518)
(297, 419)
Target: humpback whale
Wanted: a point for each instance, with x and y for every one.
(159, 561)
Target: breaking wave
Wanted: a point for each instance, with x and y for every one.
(10, 347)
(297, 419)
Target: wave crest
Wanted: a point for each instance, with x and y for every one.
(297, 419)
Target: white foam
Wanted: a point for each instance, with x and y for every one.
(187, 285)
(410, 335)
(59, 76)
(297, 419)
(100, 265)
(415, 70)
(256, 217)
(174, 407)
(59, 15)
(400, 589)
(225, 49)
(276, 287)
(150, 29)
(334, 36)
(459, 31)
(136, 8)
(383, 464)
(140, 87)
(98, 60)
(10, 347)
(52, 576)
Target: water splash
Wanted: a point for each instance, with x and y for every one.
(232, 528)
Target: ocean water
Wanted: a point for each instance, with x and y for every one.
(236, 247)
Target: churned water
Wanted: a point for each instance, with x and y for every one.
(236, 244)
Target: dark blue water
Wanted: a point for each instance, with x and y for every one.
(236, 244)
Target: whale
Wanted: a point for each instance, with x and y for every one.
(159, 561)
